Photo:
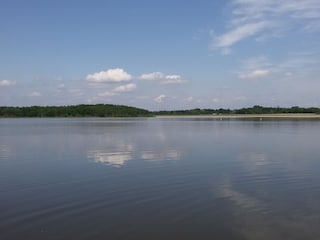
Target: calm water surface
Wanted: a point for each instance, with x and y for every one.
(159, 179)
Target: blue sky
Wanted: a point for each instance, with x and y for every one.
(160, 54)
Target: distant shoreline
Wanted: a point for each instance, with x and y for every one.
(109, 110)
(211, 116)
(226, 116)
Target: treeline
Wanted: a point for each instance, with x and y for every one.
(252, 110)
(196, 111)
(98, 110)
(108, 110)
(275, 110)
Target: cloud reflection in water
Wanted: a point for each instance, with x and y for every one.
(5, 151)
(116, 159)
(117, 156)
(171, 154)
(241, 199)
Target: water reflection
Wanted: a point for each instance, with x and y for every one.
(179, 179)
(241, 199)
(117, 156)
(258, 159)
(118, 146)
(116, 159)
(5, 151)
(170, 154)
(120, 158)
(272, 194)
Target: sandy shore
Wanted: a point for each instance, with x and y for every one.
(260, 116)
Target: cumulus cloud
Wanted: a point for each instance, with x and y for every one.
(152, 76)
(172, 79)
(162, 78)
(114, 75)
(160, 98)
(5, 83)
(125, 88)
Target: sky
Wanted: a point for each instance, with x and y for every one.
(160, 55)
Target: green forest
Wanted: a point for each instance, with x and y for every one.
(98, 110)
(252, 110)
(109, 110)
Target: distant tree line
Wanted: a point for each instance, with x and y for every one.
(252, 110)
(274, 110)
(196, 111)
(108, 110)
(98, 110)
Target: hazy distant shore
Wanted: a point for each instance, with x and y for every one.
(222, 116)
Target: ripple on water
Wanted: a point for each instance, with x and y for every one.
(5, 152)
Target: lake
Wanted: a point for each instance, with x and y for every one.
(159, 178)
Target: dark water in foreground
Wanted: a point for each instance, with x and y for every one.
(159, 179)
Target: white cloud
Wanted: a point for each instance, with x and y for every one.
(152, 76)
(235, 35)
(255, 68)
(249, 10)
(259, 73)
(125, 88)
(260, 62)
(160, 98)
(114, 75)
(120, 89)
(35, 94)
(299, 65)
(162, 78)
(172, 79)
(264, 19)
(5, 83)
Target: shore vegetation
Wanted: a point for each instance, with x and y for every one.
(109, 110)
